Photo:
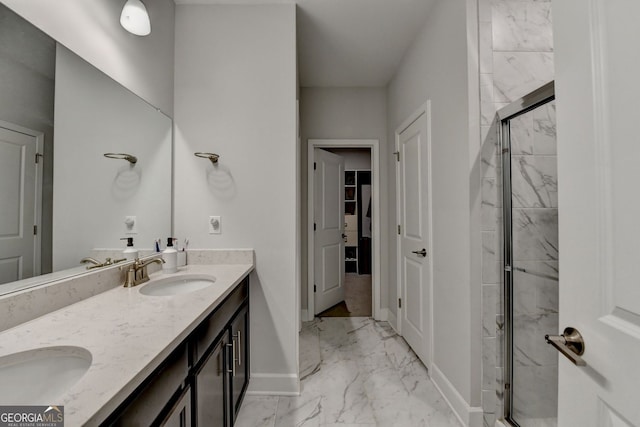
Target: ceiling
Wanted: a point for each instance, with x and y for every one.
(349, 43)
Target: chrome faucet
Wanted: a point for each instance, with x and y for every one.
(137, 271)
(98, 264)
(93, 261)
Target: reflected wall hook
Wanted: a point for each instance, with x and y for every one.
(122, 156)
(211, 156)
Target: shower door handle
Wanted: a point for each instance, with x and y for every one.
(570, 344)
(422, 252)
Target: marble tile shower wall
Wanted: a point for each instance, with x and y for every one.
(516, 57)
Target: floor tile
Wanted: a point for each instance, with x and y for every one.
(258, 411)
(355, 372)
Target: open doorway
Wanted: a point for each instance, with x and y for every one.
(352, 262)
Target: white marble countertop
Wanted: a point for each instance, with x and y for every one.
(128, 334)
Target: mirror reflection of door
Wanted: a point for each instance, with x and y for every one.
(19, 183)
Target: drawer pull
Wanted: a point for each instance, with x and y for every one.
(232, 371)
(239, 337)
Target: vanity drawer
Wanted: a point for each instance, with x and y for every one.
(211, 328)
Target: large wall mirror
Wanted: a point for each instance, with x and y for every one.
(60, 197)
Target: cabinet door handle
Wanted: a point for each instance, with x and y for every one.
(232, 371)
(233, 357)
(239, 348)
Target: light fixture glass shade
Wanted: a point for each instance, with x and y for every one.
(135, 18)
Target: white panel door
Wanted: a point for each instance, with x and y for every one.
(414, 245)
(598, 106)
(329, 230)
(17, 204)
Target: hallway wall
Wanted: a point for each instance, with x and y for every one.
(441, 66)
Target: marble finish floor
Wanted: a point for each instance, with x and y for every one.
(354, 372)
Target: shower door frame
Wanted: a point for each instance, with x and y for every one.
(531, 101)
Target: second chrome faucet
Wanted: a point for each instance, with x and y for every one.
(97, 264)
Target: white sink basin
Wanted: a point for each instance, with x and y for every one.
(40, 376)
(177, 285)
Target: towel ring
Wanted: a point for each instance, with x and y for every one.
(211, 156)
(122, 156)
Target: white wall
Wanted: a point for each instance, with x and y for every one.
(235, 93)
(354, 159)
(91, 29)
(92, 194)
(345, 113)
(438, 68)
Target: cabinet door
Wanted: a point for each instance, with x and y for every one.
(180, 415)
(240, 358)
(211, 388)
(158, 394)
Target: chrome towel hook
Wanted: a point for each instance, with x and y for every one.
(122, 156)
(211, 156)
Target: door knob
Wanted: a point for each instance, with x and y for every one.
(422, 252)
(570, 344)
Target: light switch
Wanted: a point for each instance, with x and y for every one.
(130, 224)
(215, 226)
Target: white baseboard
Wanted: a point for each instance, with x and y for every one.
(303, 317)
(274, 385)
(499, 423)
(469, 416)
(391, 318)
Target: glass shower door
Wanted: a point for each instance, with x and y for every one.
(531, 266)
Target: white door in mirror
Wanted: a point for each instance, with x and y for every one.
(19, 181)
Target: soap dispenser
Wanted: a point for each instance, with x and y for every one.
(170, 256)
(130, 253)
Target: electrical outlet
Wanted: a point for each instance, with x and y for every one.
(215, 226)
(130, 224)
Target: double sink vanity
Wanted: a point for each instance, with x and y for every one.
(173, 351)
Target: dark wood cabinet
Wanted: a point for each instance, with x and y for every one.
(240, 356)
(180, 414)
(211, 388)
(221, 361)
(204, 380)
(223, 375)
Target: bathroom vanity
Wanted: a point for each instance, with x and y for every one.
(174, 351)
(202, 382)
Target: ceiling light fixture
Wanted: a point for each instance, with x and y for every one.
(135, 18)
